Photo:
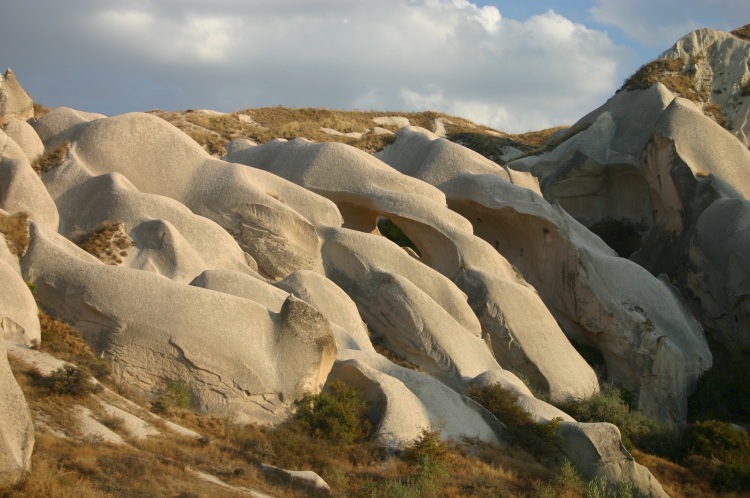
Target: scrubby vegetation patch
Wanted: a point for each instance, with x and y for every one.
(109, 243)
(51, 159)
(15, 229)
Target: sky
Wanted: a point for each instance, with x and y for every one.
(514, 65)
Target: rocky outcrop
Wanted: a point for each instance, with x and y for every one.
(15, 103)
(597, 451)
(184, 337)
(645, 332)
(18, 323)
(512, 318)
(261, 211)
(18, 311)
(405, 402)
(640, 172)
(21, 190)
(16, 427)
(719, 69)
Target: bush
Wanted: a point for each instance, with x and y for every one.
(337, 414)
(600, 488)
(427, 448)
(717, 439)
(176, 395)
(68, 381)
(611, 405)
(541, 440)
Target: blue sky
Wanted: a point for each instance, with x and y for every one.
(514, 65)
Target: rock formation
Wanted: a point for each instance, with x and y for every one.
(599, 299)
(257, 278)
(15, 103)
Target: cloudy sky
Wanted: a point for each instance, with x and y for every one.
(512, 64)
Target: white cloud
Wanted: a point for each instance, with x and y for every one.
(660, 23)
(445, 55)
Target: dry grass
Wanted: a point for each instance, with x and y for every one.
(743, 32)
(676, 75)
(678, 481)
(51, 159)
(65, 342)
(40, 110)
(214, 131)
(15, 229)
(713, 111)
(109, 243)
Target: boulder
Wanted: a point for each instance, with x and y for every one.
(418, 312)
(391, 121)
(15, 103)
(62, 124)
(184, 338)
(253, 288)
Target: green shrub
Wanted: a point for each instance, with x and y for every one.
(610, 405)
(176, 395)
(501, 403)
(732, 476)
(717, 439)
(428, 447)
(600, 488)
(541, 440)
(338, 414)
(68, 381)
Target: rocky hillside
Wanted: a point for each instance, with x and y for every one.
(222, 273)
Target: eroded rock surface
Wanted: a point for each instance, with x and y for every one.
(156, 331)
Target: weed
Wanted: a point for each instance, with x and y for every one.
(427, 448)
(15, 228)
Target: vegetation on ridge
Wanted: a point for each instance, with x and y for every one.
(742, 33)
(15, 231)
